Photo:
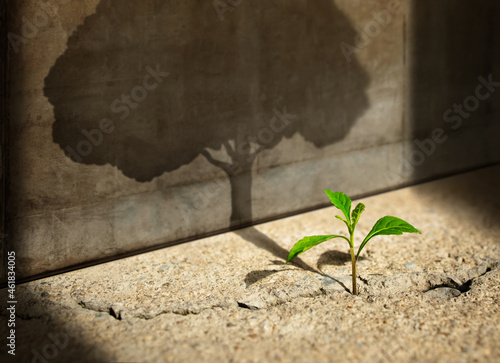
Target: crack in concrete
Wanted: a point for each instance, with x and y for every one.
(185, 311)
(27, 317)
(110, 310)
(120, 314)
(466, 286)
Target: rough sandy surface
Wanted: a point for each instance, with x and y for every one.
(423, 298)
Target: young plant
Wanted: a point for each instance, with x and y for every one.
(385, 226)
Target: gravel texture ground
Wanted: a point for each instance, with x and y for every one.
(230, 298)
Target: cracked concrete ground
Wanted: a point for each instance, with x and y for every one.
(422, 298)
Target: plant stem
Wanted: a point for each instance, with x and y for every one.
(353, 258)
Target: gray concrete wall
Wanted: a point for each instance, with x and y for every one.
(453, 59)
(130, 121)
(3, 128)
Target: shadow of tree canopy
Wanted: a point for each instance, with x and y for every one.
(150, 86)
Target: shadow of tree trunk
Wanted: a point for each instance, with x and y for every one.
(259, 239)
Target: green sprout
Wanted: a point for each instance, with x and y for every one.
(385, 226)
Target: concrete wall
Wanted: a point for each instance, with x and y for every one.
(130, 122)
(454, 54)
(3, 128)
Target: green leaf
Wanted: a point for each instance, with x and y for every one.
(356, 213)
(343, 220)
(307, 242)
(342, 202)
(388, 226)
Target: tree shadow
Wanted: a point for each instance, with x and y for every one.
(260, 240)
(255, 276)
(149, 87)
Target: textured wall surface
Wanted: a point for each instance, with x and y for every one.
(454, 81)
(143, 123)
